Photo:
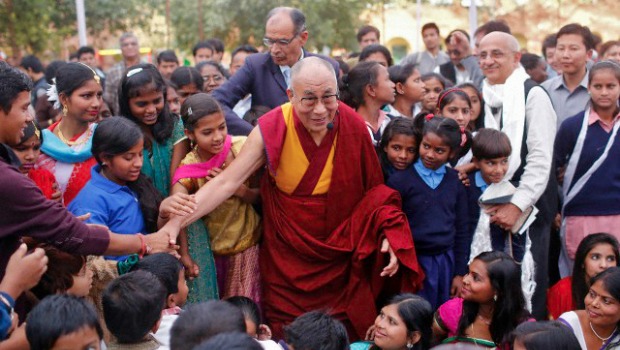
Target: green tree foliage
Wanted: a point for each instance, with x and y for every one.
(38, 25)
(331, 23)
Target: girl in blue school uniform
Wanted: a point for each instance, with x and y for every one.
(118, 195)
(435, 202)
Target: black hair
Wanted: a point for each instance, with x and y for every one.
(479, 122)
(28, 132)
(579, 283)
(167, 56)
(400, 74)
(32, 62)
(491, 144)
(397, 126)
(187, 75)
(217, 66)
(202, 45)
(417, 315)
(230, 341)
(203, 321)
(165, 267)
(255, 112)
(446, 128)
(297, 17)
(132, 305)
(454, 31)
(530, 61)
(544, 336)
(146, 78)
(52, 69)
(374, 48)
(200, 105)
(12, 82)
(430, 25)
(248, 307)
(364, 30)
(608, 45)
(216, 44)
(493, 26)
(72, 76)
(243, 48)
(84, 50)
(58, 315)
(117, 135)
(436, 76)
(316, 330)
(509, 311)
(577, 29)
(343, 66)
(550, 41)
(352, 85)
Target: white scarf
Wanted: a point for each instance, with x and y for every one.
(513, 112)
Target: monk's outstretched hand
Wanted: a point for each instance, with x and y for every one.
(391, 268)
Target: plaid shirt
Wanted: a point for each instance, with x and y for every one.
(112, 82)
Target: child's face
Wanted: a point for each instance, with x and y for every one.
(477, 284)
(476, 106)
(85, 338)
(604, 89)
(146, 107)
(209, 134)
(180, 297)
(598, 259)
(124, 167)
(493, 170)
(173, 101)
(186, 91)
(432, 89)
(434, 151)
(459, 110)
(27, 152)
(413, 88)
(84, 103)
(82, 282)
(400, 151)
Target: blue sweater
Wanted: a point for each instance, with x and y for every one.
(600, 194)
(438, 218)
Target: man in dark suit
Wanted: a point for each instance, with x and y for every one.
(266, 75)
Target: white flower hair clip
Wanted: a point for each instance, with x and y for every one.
(134, 72)
(189, 111)
(52, 94)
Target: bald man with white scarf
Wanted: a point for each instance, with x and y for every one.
(517, 106)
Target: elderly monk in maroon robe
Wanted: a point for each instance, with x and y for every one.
(334, 235)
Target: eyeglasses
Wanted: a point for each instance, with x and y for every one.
(282, 42)
(495, 55)
(327, 100)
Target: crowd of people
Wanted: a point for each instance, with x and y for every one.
(304, 202)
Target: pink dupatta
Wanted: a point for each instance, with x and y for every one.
(199, 170)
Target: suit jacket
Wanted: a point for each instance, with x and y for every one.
(448, 70)
(262, 78)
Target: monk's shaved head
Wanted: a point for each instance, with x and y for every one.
(309, 66)
(509, 41)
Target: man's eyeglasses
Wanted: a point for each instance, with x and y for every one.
(327, 100)
(282, 42)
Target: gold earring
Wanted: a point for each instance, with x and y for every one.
(64, 110)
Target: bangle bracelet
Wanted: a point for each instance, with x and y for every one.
(142, 245)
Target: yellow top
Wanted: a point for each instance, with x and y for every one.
(234, 225)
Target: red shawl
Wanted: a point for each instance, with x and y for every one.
(322, 252)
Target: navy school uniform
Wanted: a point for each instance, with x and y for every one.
(439, 222)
